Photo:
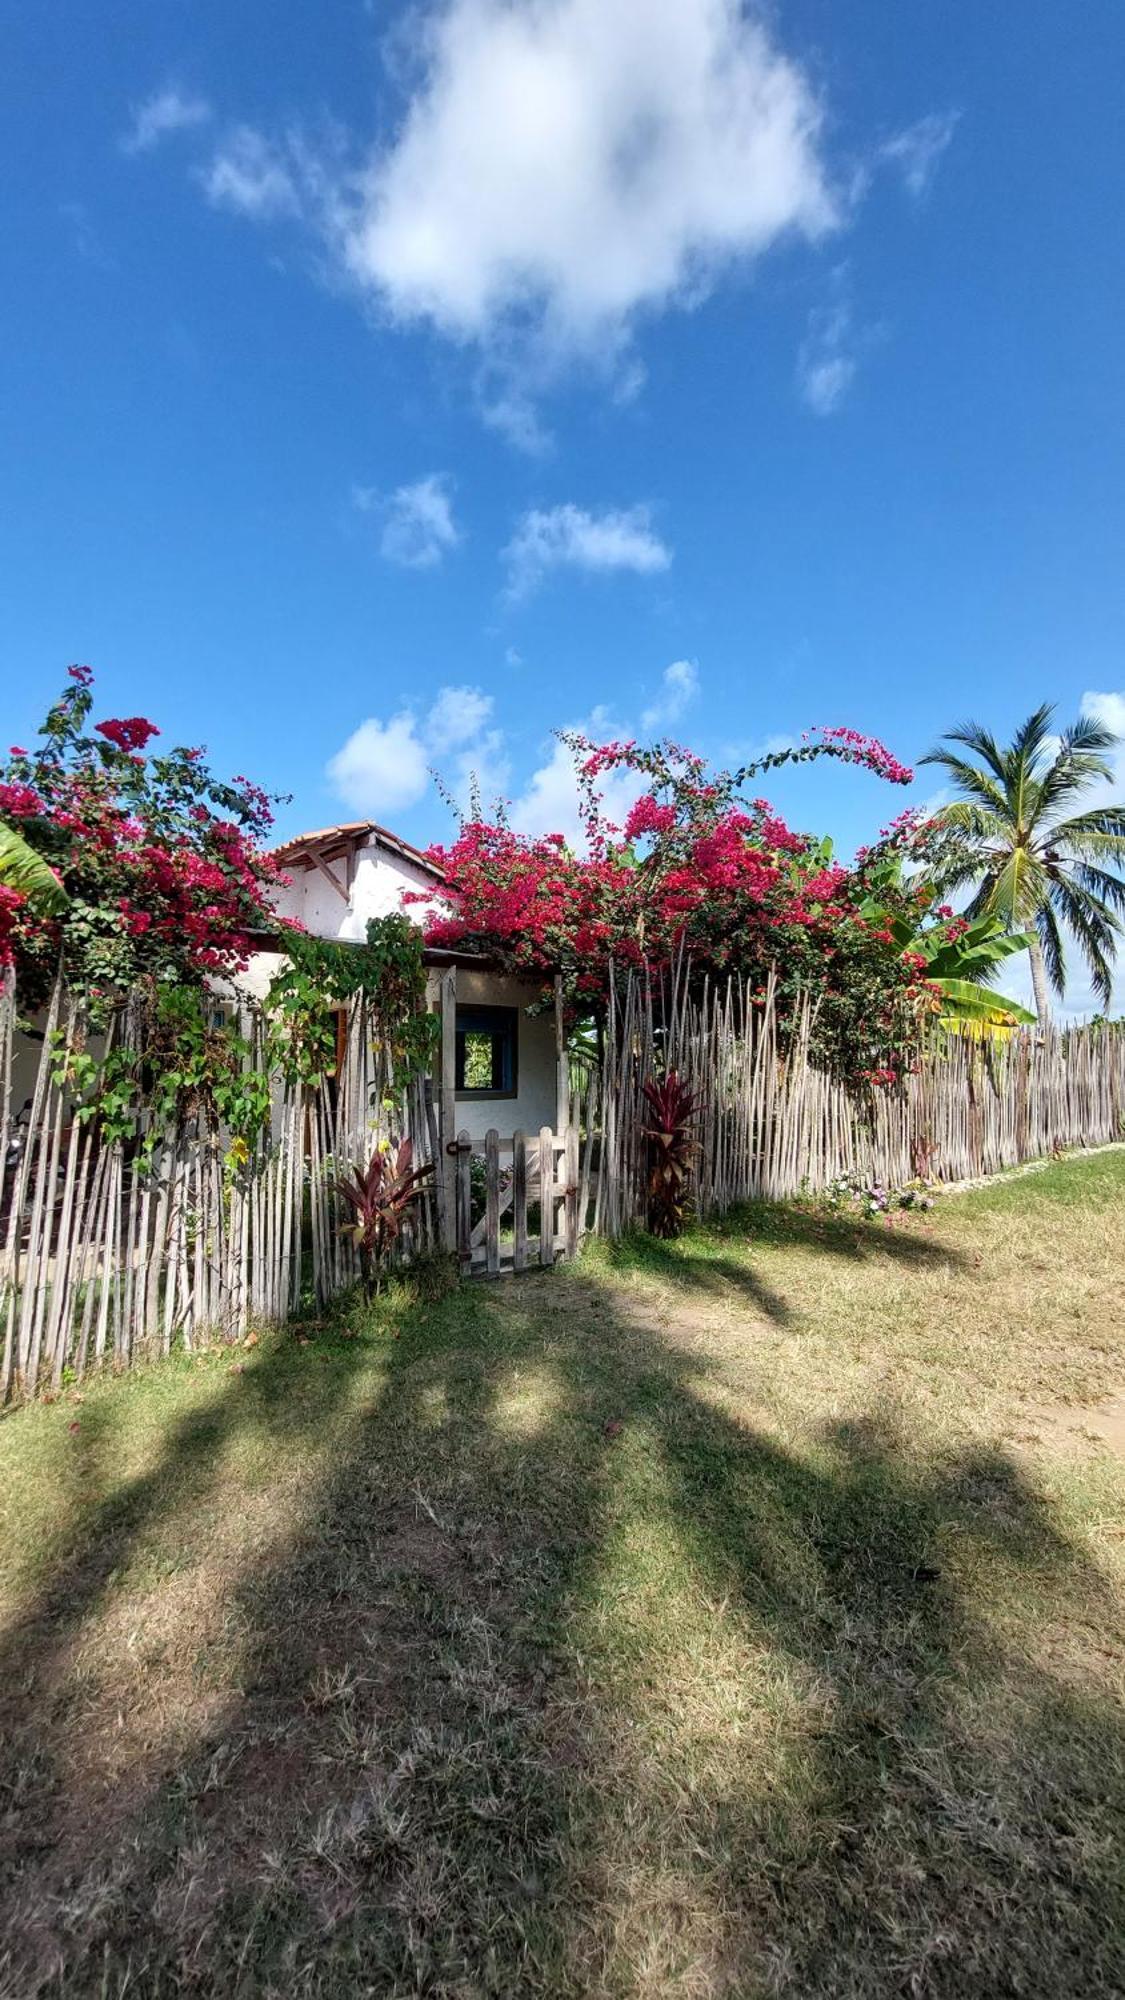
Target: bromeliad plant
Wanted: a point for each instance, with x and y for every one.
(382, 1195)
(671, 1150)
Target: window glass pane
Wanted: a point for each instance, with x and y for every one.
(486, 1043)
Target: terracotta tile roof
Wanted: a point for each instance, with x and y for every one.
(330, 841)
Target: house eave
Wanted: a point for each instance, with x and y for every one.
(331, 843)
(433, 955)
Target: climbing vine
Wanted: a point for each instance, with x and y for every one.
(323, 974)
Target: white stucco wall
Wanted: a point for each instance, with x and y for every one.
(534, 1103)
(379, 878)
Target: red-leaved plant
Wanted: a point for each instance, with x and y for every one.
(382, 1194)
(671, 1152)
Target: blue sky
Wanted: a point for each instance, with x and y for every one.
(357, 354)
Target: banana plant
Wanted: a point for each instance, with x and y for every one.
(960, 966)
(382, 1194)
(25, 871)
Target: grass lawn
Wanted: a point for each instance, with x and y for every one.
(739, 1617)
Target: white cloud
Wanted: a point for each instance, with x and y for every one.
(567, 165)
(162, 114)
(458, 716)
(826, 365)
(678, 689)
(1108, 708)
(917, 150)
(251, 175)
(549, 802)
(569, 537)
(386, 766)
(511, 411)
(381, 767)
(483, 767)
(561, 169)
(418, 524)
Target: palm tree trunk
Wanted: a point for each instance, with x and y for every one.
(1039, 983)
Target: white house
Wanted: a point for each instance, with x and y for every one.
(500, 1063)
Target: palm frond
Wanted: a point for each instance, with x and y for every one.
(983, 903)
(1068, 777)
(1099, 833)
(980, 787)
(969, 816)
(948, 877)
(1107, 889)
(1090, 733)
(1096, 930)
(1014, 842)
(1019, 885)
(983, 745)
(1030, 737)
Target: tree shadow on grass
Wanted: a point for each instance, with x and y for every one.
(698, 1263)
(709, 1275)
(567, 1683)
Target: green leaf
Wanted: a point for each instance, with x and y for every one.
(25, 871)
(962, 1000)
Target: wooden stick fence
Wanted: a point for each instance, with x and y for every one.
(769, 1123)
(109, 1252)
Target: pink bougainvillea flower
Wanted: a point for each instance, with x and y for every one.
(130, 732)
(20, 801)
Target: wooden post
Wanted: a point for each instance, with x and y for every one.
(443, 1227)
(519, 1202)
(562, 1067)
(492, 1202)
(462, 1159)
(570, 1171)
(546, 1197)
(448, 1162)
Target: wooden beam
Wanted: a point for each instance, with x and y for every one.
(329, 877)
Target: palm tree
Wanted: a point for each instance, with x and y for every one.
(1007, 837)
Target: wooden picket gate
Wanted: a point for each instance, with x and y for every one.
(520, 1174)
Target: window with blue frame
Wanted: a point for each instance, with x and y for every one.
(487, 1047)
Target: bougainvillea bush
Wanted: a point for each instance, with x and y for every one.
(163, 865)
(699, 870)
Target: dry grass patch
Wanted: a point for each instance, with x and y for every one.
(712, 1620)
